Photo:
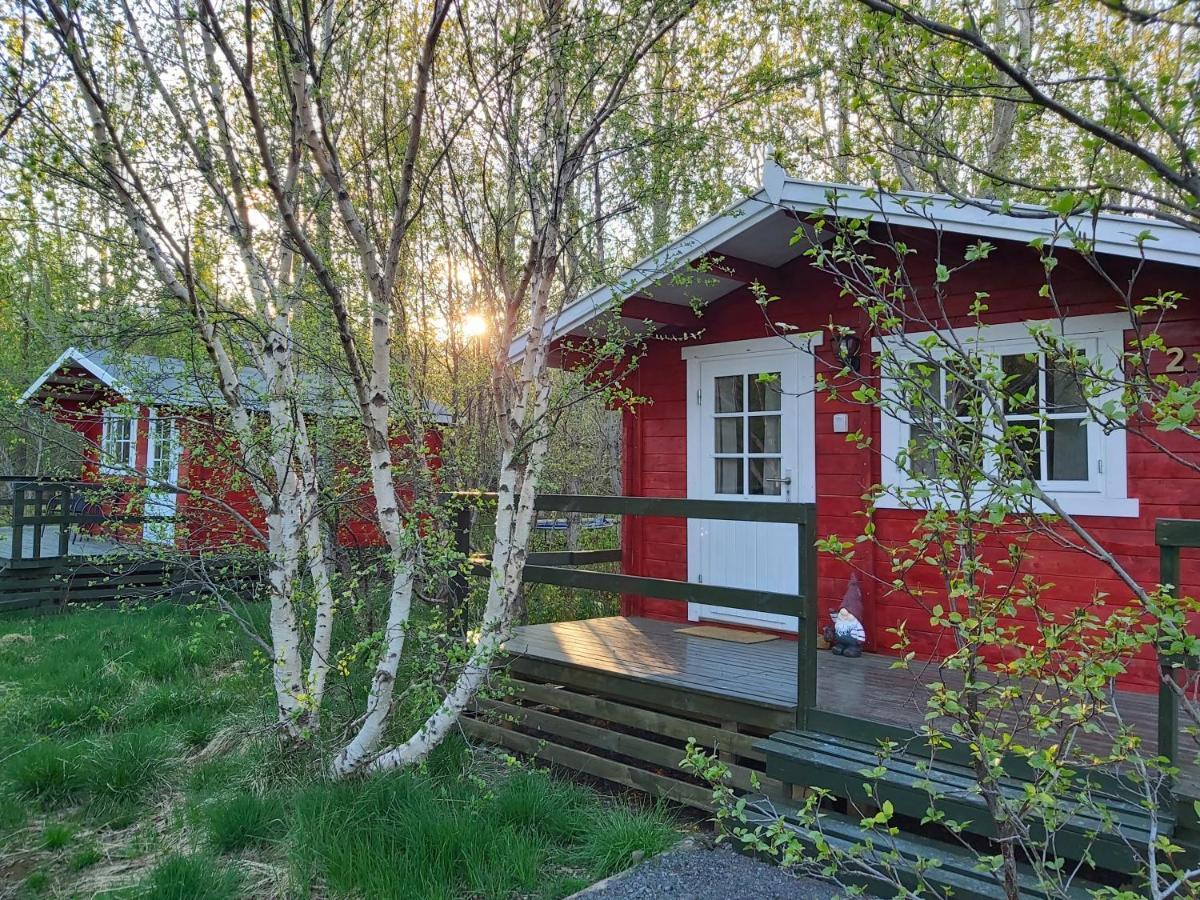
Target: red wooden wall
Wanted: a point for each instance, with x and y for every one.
(655, 461)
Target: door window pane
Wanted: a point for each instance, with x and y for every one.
(729, 476)
(729, 393)
(1067, 450)
(765, 395)
(764, 434)
(728, 435)
(764, 477)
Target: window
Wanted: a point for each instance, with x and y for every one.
(1045, 416)
(118, 442)
(747, 436)
(163, 451)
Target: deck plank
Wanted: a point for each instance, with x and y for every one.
(765, 674)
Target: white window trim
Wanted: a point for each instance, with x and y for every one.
(1110, 497)
(125, 467)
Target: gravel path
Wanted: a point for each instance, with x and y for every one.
(700, 873)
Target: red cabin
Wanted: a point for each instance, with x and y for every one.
(147, 418)
(710, 429)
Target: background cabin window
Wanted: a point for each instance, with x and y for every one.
(747, 438)
(118, 442)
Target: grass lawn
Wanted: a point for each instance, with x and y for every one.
(135, 761)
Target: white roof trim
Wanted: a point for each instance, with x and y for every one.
(643, 274)
(71, 354)
(1110, 233)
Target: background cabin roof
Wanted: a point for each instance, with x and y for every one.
(755, 235)
(167, 381)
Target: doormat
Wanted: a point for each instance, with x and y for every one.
(737, 635)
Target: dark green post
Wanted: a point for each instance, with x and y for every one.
(66, 507)
(459, 588)
(18, 520)
(39, 514)
(806, 636)
(1168, 701)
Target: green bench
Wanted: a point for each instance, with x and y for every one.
(956, 873)
(913, 784)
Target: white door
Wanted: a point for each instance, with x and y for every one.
(162, 471)
(750, 437)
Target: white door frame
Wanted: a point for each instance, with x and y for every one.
(803, 488)
(163, 502)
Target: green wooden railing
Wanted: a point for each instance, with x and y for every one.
(1172, 535)
(37, 503)
(40, 502)
(559, 567)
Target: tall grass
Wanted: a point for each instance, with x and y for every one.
(181, 877)
(101, 718)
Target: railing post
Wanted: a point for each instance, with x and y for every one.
(18, 520)
(459, 586)
(66, 512)
(1168, 700)
(39, 514)
(806, 636)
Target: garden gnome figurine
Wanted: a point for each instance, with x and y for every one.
(847, 634)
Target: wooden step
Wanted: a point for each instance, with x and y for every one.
(913, 784)
(956, 874)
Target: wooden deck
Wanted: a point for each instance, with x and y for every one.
(752, 684)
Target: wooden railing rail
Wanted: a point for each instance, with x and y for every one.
(557, 568)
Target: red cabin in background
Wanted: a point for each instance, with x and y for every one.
(712, 430)
(153, 422)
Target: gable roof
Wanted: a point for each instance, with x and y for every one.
(759, 229)
(166, 381)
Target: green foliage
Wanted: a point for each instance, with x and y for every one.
(193, 877)
(244, 820)
(614, 837)
(57, 835)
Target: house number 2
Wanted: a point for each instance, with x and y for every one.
(1174, 360)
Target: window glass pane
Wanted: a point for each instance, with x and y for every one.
(924, 387)
(1067, 450)
(765, 394)
(764, 477)
(728, 435)
(728, 476)
(164, 450)
(1020, 384)
(729, 393)
(922, 452)
(764, 434)
(1028, 438)
(1063, 388)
